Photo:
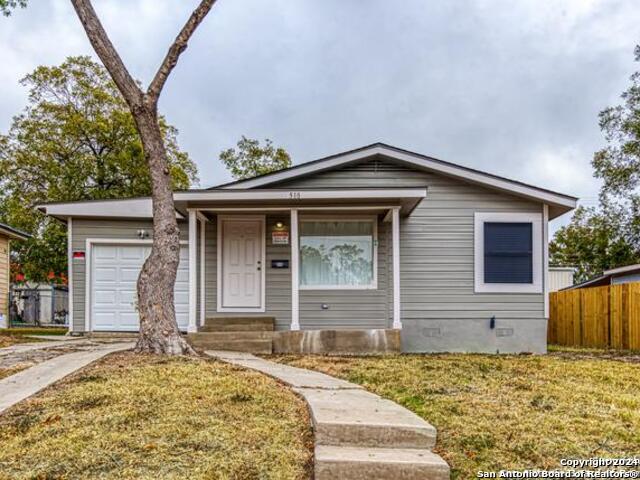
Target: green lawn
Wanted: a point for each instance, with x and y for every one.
(148, 417)
(502, 412)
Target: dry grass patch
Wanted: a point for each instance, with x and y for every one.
(12, 336)
(7, 340)
(506, 412)
(6, 372)
(149, 417)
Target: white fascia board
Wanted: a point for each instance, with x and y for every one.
(126, 208)
(295, 195)
(419, 161)
(625, 269)
(13, 234)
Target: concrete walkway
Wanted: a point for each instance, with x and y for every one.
(28, 382)
(359, 435)
(26, 347)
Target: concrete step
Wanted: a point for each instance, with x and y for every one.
(232, 336)
(357, 463)
(359, 418)
(230, 324)
(201, 342)
(236, 327)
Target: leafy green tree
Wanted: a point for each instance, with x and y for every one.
(592, 242)
(76, 140)
(251, 159)
(618, 164)
(606, 237)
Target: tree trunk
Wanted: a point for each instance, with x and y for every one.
(158, 327)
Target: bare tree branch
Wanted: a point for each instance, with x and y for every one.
(178, 46)
(107, 52)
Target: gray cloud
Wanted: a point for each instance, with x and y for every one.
(513, 88)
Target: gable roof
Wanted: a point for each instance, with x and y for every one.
(559, 203)
(13, 233)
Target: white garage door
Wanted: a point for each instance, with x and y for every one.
(114, 273)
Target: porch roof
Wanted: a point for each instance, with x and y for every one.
(405, 198)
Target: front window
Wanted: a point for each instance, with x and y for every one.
(337, 253)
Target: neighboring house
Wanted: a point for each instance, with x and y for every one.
(7, 234)
(615, 276)
(376, 239)
(41, 304)
(560, 278)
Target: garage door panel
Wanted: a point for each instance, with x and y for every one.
(114, 275)
(129, 274)
(138, 254)
(182, 276)
(181, 298)
(106, 253)
(105, 319)
(105, 274)
(129, 320)
(127, 297)
(104, 297)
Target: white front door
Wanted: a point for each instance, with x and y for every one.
(114, 274)
(242, 252)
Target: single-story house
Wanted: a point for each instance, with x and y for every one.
(7, 233)
(382, 241)
(614, 276)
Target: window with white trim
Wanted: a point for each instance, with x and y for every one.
(338, 254)
(508, 252)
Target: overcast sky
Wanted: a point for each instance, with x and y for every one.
(512, 87)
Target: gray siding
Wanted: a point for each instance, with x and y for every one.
(111, 229)
(440, 310)
(278, 281)
(437, 264)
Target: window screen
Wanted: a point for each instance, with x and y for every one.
(508, 254)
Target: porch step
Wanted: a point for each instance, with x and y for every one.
(356, 463)
(239, 324)
(202, 342)
(232, 336)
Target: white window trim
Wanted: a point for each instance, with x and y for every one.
(351, 218)
(89, 243)
(219, 246)
(536, 226)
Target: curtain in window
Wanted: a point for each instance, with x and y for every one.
(336, 253)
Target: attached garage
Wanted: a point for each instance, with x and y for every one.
(114, 270)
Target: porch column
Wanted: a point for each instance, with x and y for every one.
(203, 226)
(193, 270)
(395, 240)
(295, 271)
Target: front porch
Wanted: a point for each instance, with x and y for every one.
(322, 267)
(258, 335)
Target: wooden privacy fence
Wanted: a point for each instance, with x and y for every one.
(605, 317)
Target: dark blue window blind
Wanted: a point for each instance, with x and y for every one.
(508, 254)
